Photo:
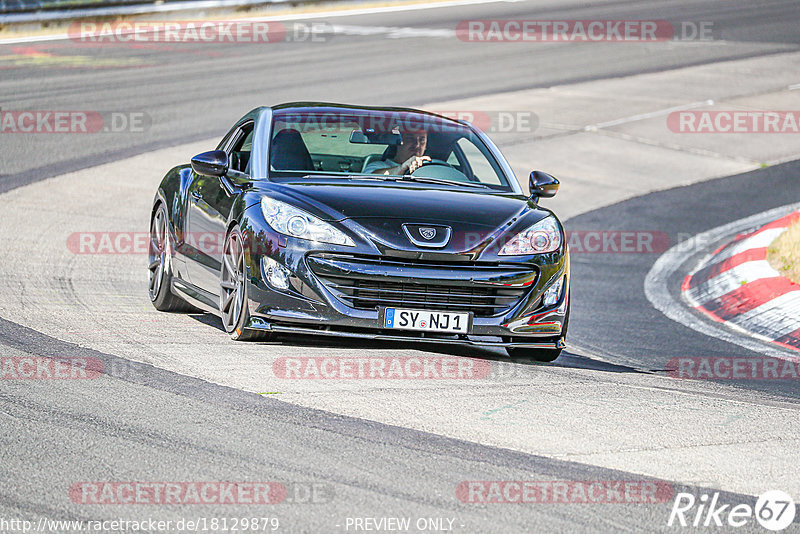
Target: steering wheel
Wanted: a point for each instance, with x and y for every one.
(441, 170)
(432, 163)
(426, 163)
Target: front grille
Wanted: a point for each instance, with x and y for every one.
(370, 283)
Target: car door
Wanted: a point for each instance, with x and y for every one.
(207, 215)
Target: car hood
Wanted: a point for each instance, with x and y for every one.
(391, 216)
(407, 201)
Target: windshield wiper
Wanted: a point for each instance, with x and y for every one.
(423, 179)
(404, 178)
(348, 177)
(379, 177)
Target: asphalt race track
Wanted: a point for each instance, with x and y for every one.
(190, 92)
(623, 282)
(179, 401)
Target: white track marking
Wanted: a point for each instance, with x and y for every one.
(759, 240)
(649, 115)
(729, 280)
(35, 39)
(773, 319)
(657, 292)
(394, 32)
(385, 9)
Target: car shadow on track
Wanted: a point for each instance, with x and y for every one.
(569, 359)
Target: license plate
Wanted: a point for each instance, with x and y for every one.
(426, 320)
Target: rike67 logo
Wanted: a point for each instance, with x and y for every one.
(774, 510)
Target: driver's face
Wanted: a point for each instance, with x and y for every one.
(413, 145)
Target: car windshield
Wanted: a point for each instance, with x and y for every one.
(377, 144)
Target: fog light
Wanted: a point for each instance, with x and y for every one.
(276, 274)
(553, 293)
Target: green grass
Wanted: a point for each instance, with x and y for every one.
(784, 253)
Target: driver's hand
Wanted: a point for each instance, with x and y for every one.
(415, 162)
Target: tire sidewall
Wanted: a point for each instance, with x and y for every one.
(166, 273)
(239, 332)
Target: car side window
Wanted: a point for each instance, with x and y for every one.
(239, 156)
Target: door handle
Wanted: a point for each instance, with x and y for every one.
(195, 195)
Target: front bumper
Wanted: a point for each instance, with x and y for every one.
(316, 306)
(533, 343)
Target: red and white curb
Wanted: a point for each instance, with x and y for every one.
(664, 297)
(735, 285)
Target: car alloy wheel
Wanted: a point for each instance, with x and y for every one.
(233, 291)
(157, 253)
(232, 279)
(159, 267)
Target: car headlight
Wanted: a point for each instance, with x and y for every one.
(544, 236)
(294, 222)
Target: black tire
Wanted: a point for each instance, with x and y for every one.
(160, 266)
(233, 291)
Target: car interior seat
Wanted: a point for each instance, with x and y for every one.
(289, 152)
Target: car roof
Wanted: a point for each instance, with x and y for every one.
(325, 107)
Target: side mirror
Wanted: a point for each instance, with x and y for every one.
(214, 163)
(543, 185)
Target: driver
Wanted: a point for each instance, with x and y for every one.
(408, 159)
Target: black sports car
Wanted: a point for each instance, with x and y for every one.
(380, 223)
